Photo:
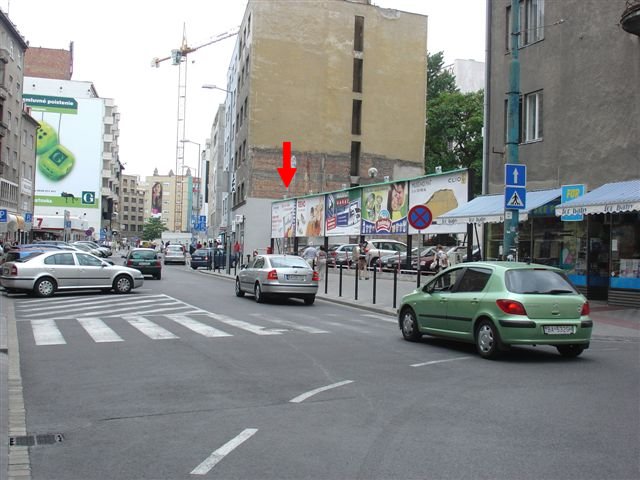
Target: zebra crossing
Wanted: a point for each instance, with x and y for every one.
(156, 317)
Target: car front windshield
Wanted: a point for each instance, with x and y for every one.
(288, 262)
(538, 281)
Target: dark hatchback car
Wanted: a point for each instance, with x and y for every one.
(205, 257)
(147, 260)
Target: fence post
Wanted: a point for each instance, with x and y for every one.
(357, 276)
(395, 287)
(326, 278)
(340, 282)
(374, 285)
(418, 275)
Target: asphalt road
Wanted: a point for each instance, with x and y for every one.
(182, 380)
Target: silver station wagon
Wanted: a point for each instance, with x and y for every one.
(45, 273)
(278, 275)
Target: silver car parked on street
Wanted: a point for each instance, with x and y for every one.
(278, 275)
(45, 273)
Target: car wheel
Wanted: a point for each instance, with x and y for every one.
(570, 351)
(45, 287)
(409, 325)
(122, 284)
(194, 267)
(239, 292)
(257, 292)
(159, 276)
(487, 340)
(309, 299)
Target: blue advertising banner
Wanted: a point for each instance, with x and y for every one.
(571, 192)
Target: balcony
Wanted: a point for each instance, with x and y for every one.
(630, 20)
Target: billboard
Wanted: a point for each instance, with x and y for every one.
(310, 217)
(440, 193)
(343, 213)
(69, 156)
(384, 208)
(283, 219)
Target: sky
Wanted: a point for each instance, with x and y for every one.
(115, 42)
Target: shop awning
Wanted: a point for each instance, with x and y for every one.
(609, 198)
(490, 208)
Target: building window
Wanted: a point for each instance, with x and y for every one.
(355, 159)
(358, 34)
(357, 74)
(534, 21)
(356, 118)
(533, 116)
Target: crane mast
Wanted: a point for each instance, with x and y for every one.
(178, 58)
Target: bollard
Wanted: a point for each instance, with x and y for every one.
(340, 282)
(374, 285)
(395, 287)
(326, 279)
(357, 275)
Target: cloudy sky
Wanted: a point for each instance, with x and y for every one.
(115, 41)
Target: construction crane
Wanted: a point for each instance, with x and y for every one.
(179, 57)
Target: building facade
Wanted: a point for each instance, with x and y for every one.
(343, 81)
(131, 217)
(579, 125)
(160, 198)
(17, 138)
(218, 177)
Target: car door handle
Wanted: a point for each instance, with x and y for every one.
(475, 300)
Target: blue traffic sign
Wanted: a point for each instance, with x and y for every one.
(28, 217)
(3, 215)
(515, 198)
(515, 175)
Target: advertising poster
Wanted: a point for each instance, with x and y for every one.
(68, 156)
(310, 217)
(385, 208)
(283, 219)
(343, 213)
(156, 200)
(440, 193)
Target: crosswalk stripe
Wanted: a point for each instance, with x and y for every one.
(258, 330)
(147, 327)
(286, 323)
(46, 332)
(86, 308)
(98, 330)
(82, 301)
(198, 327)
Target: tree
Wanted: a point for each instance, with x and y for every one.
(454, 124)
(153, 229)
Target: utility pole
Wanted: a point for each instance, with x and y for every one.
(512, 217)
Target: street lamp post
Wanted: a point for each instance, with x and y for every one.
(196, 209)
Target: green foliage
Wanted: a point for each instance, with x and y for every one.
(454, 125)
(153, 229)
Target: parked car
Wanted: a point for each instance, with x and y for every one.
(499, 304)
(146, 260)
(340, 254)
(390, 262)
(378, 248)
(278, 275)
(22, 251)
(45, 273)
(104, 249)
(89, 248)
(202, 256)
(175, 254)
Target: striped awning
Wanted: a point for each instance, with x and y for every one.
(490, 208)
(609, 198)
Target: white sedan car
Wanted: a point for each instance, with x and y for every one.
(45, 273)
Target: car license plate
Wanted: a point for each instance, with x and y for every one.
(295, 277)
(559, 329)
(144, 263)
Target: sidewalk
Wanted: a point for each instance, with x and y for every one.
(609, 320)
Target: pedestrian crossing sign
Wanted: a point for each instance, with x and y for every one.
(515, 198)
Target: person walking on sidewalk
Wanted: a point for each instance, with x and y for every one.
(321, 259)
(362, 263)
(441, 261)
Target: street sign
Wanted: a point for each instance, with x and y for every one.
(571, 192)
(420, 217)
(515, 198)
(515, 175)
(28, 217)
(3, 216)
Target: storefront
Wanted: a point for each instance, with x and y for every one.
(607, 242)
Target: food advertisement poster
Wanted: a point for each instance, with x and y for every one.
(343, 213)
(283, 219)
(440, 193)
(310, 217)
(385, 208)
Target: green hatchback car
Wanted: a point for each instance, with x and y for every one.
(147, 260)
(498, 304)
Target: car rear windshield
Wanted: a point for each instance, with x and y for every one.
(21, 256)
(538, 281)
(143, 255)
(288, 262)
(202, 251)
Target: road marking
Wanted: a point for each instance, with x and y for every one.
(223, 451)
(46, 332)
(98, 330)
(381, 317)
(82, 301)
(198, 327)
(310, 393)
(433, 362)
(258, 330)
(289, 324)
(150, 329)
(85, 308)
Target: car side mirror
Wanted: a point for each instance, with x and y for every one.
(243, 266)
(109, 262)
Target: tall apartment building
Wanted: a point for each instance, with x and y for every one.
(160, 198)
(343, 81)
(131, 216)
(218, 176)
(580, 124)
(17, 138)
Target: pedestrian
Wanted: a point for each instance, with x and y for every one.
(440, 260)
(363, 272)
(355, 256)
(322, 262)
(310, 253)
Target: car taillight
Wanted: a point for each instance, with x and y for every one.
(316, 276)
(14, 270)
(586, 309)
(511, 307)
(129, 262)
(272, 275)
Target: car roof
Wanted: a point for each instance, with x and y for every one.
(502, 265)
(137, 249)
